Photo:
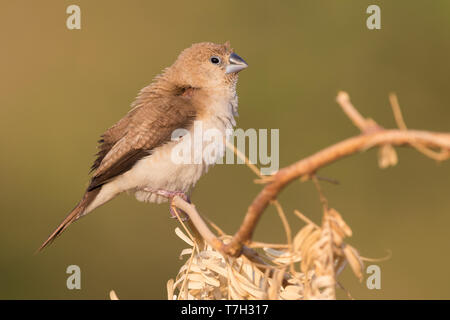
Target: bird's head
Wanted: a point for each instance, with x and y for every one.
(205, 65)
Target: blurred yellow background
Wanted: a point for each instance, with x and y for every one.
(60, 89)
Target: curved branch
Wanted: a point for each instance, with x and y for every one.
(322, 158)
(372, 136)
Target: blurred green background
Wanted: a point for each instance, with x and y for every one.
(60, 89)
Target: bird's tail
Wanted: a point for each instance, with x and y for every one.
(76, 213)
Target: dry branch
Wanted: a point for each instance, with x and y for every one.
(372, 136)
(308, 264)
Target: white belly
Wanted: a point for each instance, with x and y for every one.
(161, 171)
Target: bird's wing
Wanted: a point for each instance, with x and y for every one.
(144, 129)
(110, 138)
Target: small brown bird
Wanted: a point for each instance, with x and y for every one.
(136, 153)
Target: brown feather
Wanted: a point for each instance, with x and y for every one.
(76, 213)
(109, 138)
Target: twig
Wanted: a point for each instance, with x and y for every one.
(242, 156)
(304, 218)
(258, 244)
(329, 180)
(397, 112)
(322, 198)
(358, 120)
(287, 228)
(199, 227)
(438, 156)
(198, 222)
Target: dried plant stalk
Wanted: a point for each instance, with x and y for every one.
(307, 268)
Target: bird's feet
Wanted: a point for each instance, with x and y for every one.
(170, 195)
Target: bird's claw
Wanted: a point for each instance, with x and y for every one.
(170, 195)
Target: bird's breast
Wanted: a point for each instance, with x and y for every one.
(179, 164)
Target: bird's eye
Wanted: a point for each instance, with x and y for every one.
(215, 60)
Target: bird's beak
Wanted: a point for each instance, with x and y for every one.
(235, 64)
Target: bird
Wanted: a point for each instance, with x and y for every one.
(136, 154)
